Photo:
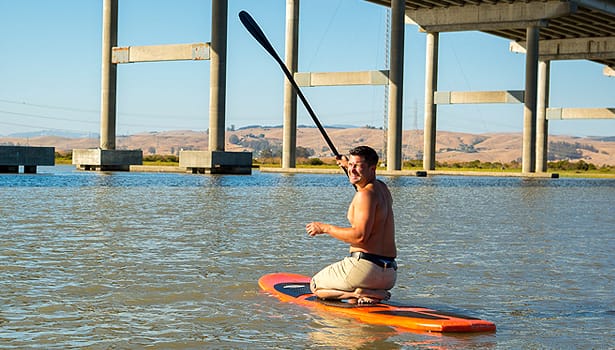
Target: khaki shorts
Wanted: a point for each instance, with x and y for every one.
(352, 273)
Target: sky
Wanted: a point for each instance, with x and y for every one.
(50, 76)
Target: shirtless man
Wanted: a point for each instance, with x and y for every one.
(370, 271)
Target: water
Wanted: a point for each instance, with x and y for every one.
(133, 260)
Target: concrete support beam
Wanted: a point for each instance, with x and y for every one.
(289, 139)
(109, 76)
(517, 14)
(529, 110)
(106, 160)
(215, 162)
(396, 85)
(464, 97)
(542, 124)
(217, 83)
(594, 48)
(9, 169)
(599, 5)
(377, 77)
(580, 113)
(12, 157)
(431, 85)
(107, 157)
(153, 53)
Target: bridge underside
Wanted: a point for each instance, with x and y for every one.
(544, 31)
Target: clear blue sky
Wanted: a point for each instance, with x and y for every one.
(51, 52)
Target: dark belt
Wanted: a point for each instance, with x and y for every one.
(382, 261)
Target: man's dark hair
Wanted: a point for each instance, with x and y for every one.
(368, 153)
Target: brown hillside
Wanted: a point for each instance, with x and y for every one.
(450, 146)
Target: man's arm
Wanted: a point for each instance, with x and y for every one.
(362, 223)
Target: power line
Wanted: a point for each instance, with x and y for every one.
(331, 19)
(48, 106)
(47, 117)
(38, 127)
(72, 109)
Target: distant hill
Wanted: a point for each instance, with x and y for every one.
(451, 146)
(60, 133)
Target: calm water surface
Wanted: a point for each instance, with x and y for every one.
(133, 260)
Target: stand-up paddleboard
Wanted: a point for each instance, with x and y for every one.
(295, 288)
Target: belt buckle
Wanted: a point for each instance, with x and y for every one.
(386, 264)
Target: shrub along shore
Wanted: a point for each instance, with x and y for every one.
(565, 168)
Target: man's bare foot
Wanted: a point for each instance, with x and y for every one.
(362, 301)
(367, 301)
(378, 294)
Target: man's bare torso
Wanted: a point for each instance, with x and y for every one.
(381, 238)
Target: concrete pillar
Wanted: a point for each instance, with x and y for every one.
(542, 125)
(217, 81)
(431, 85)
(396, 83)
(109, 76)
(289, 139)
(529, 111)
(29, 169)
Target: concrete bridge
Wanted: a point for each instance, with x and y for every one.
(215, 159)
(545, 30)
(14, 157)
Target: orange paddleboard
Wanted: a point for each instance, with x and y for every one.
(295, 288)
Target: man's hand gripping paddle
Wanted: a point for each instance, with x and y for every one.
(250, 24)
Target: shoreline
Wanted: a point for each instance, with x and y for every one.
(413, 173)
(173, 168)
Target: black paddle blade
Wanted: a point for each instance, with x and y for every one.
(252, 27)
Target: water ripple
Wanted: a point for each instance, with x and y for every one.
(132, 260)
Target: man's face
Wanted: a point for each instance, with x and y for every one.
(359, 170)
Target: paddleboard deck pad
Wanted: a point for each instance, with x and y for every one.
(295, 288)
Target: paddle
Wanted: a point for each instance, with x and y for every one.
(250, 24)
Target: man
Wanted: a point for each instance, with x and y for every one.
(370, 271)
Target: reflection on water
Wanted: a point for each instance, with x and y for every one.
(128, 260)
